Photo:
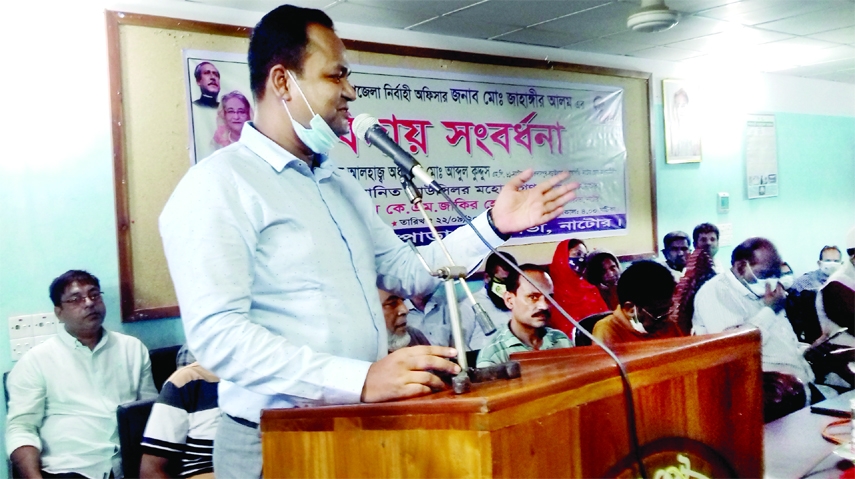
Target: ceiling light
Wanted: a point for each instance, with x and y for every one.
(653, 16)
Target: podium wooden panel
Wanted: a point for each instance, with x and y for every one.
(565, 417)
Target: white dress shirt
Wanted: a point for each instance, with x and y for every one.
(63, 399)
(724, 303)
(276, 267)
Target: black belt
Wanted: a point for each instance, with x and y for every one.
(243, 422)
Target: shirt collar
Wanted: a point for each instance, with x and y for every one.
(277, 157)
(734, 282)
(74, 343)
(510, 340)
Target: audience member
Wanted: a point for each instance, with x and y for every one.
(830, 259)
(63, 393)
(645, 291)
(836, 300)
(676, 253)
(527, 330)
(398, 334)
(578, 297)
(706, 236)
(492, 298)
(700, 268)
(602, 269)
(787, 276)
(428, 314)
(750, 295)
(179, 436)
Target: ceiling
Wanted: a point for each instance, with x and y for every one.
(806, 38)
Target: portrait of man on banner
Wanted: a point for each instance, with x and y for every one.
(219, 100)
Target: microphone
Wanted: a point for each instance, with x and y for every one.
(369, 130)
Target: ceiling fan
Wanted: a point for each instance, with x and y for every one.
(653, 16)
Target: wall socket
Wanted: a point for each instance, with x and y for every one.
(20, 346)
(29, 330)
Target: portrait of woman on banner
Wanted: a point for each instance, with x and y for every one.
(233, 112)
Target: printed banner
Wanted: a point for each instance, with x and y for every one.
(472, 134)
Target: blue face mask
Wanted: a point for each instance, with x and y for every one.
(319, 137)
(577, 264)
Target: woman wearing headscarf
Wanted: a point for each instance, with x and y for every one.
(602, 269)
(575, 294)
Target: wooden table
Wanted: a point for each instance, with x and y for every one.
(794, 447)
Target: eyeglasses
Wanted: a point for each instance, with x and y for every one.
(232, 111)
(656, 319)
(94, 296)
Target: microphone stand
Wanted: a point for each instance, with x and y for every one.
(450, 273)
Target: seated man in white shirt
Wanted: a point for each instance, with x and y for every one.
(705, 236)
(676, 253)
(398, 333)
(749, 295)
(63, 393)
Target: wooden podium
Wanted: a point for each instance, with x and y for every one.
(698, 401)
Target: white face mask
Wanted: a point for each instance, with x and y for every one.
(787, 280)
(759, 286)
(636, 324)
(320, 138)
(828, 267)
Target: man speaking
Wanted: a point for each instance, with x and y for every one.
(276, 254)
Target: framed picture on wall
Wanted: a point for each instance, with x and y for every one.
(219, 100)
(682, 122)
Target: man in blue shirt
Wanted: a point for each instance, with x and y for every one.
(276, 254)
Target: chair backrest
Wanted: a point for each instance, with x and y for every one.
(587, 323)
(132, 418)
(163, 363)
(472, 357)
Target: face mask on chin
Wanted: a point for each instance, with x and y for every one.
(320, 138)
(828, 267)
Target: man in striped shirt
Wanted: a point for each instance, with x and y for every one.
(179, 436)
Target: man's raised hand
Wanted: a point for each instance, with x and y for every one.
(517, 209)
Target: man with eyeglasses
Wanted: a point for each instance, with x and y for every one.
(644, 295)
(64, 392)
(750, 295)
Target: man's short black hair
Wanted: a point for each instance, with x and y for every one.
(702, 229)
(495, 261)
(514, 278)
(830, 248)
(746, 249)
(674, 236)
(645, 283)
(198, 71)
(280, 38)
(58, 285)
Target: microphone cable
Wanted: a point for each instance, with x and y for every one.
(627, 388)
